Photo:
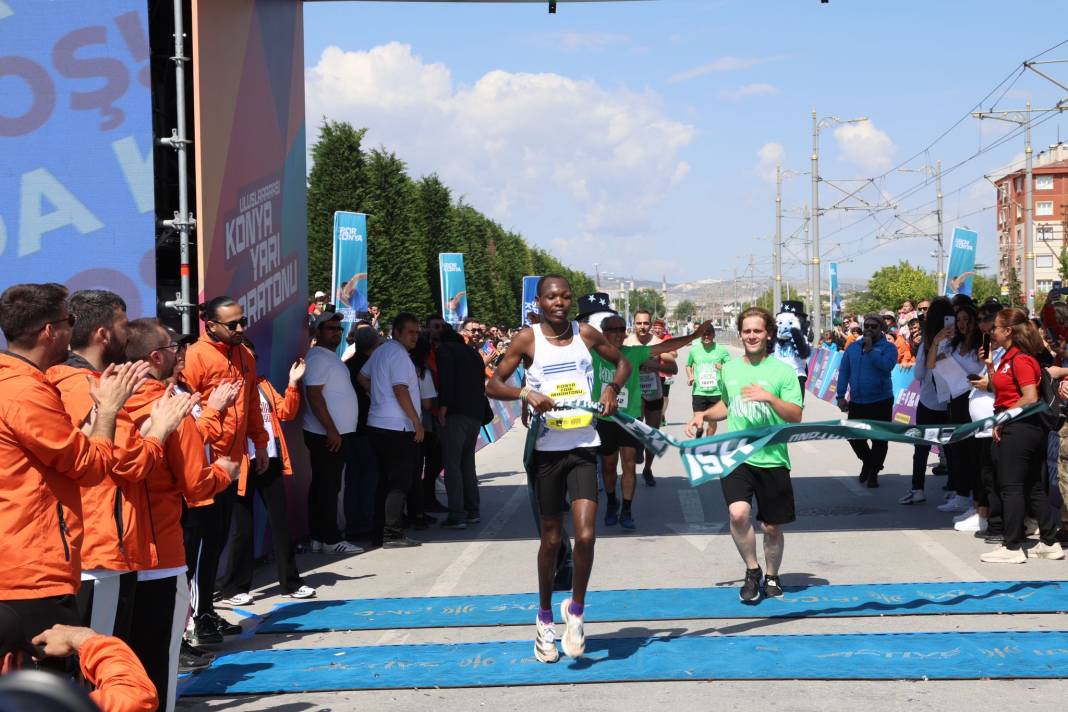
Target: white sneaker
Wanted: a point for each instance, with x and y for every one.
(574, 641)
(1046, 551)
(974, 523)
(316, 547)
(1001, 555)
(343, 547)
(1030, 527)
(913, 497)
(967, 514)
(302, 592)
(545, 642)
(955, 504)
(239, 599)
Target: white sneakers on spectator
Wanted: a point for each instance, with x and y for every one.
(965, 515)
(913, 497)
(302, 592)
(342, 547)
(1046, 551)
(972, 523)
(1001, 555)
(955, 504)
(239, 599)
(316, 547)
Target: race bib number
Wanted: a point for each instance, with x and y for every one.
(622, 398)
(561, 392)
(707, 378)
(650, 385)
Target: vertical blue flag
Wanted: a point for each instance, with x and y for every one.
(961, 267)
(530, 299)
(349, 275)
(836, 296)
(453, 287)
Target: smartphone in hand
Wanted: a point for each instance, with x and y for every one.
(949, 322)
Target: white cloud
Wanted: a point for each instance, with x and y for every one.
(723, 64)
(573, 41)
(769, 156)
(515, 145)
(749, 90)
(865, 146)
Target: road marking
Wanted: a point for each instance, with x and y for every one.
(699, 535)
(850, 483)
(692, 510)
(944, 556)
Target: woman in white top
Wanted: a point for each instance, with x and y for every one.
(962, 457)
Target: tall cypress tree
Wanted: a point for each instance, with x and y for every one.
(433, 207)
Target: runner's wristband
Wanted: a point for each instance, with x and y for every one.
(523, 392)
(613, 386)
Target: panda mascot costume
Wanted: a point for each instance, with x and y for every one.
(790, 345)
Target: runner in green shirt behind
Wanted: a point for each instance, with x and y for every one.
(757, 390)
(617, 443)
(702, 369)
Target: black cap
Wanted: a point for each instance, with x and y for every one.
(595, 303)
(13, 637)
(324, 318)
(180, 339)
(793, 306)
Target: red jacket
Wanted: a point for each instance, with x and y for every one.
(44, 459)
(184, 471)
(207, 364)
(117, 521)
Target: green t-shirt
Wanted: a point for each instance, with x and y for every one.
(778, 379)
(630, 397)
(704, 363)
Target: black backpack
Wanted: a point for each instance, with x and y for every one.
(1054, 416)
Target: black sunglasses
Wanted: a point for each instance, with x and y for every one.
(69, 319)
(232, 325)
(172, 345)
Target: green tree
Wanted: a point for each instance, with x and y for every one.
(1015, 289)
(1062, 265)
(767, 299)
(335, 183)
(649, 299)
(433, 209)
(685, 311)
(894, 284)
(983, 287)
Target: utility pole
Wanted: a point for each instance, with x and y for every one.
(776, 250)
(941, 233)
(808, 258)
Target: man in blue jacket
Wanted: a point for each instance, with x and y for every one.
(865, 370)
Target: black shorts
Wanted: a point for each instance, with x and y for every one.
(570, 472)
(666, 386)
(703, 403)
(652, 406)
(613, 437)
(772, 487)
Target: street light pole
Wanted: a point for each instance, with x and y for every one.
(776, 250)
(941, 233)
(815, 276)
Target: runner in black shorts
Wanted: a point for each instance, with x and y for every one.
(703, 403)
(569, 474)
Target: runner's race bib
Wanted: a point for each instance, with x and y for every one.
(561, 392)
(707, 378)
(623, 397)
(650, 384)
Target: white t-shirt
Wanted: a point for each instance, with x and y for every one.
(390, 365)
(268, 425)
(426, 386)
(325, 369)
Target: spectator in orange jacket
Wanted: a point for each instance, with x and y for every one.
(236, 586)
(45, 458)
(117, 519)
(220, 355)
(161, 602)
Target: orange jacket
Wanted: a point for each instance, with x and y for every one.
(115, 511)
(276, 410)
(121, 683)
(184, 471)
(904, 351)
(44, 459)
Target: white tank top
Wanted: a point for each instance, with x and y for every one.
(564, 373)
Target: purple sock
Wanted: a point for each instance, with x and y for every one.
(575, 609)
(545, 616)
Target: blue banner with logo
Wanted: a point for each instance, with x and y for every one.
(836, 296)
(76, 180)
(961, 267)
(453, 287)
(530, 299)
(348, 281)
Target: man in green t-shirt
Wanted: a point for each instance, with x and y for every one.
(702, 369)
(617, 443)
(757, 390)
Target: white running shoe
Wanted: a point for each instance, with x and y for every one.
(955, 504)
(239, 599)
(1001, 555)
(316, 547)
(302, 592)
(967, 514)
(1046, 551)
(974, 523)
(343, 547)
(545, 642)
(574, 641)
(913, 497)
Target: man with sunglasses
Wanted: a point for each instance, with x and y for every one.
(217, 357)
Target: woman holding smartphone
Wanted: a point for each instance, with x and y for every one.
(1020, 446)
(938, 330)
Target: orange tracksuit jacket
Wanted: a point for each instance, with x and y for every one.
(44, 459)
(121, 683)
(184, 471)
(116, 517)
(207, 364)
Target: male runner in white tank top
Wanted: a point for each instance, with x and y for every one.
(556, 354)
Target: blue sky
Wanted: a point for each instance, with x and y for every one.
(642, 135)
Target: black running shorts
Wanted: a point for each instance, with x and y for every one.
(570, 472)
(770, 485)
(652, 406)
(703, 403)
(613, 437)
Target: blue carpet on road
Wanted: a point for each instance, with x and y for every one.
(881, 599)
(892, 656)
